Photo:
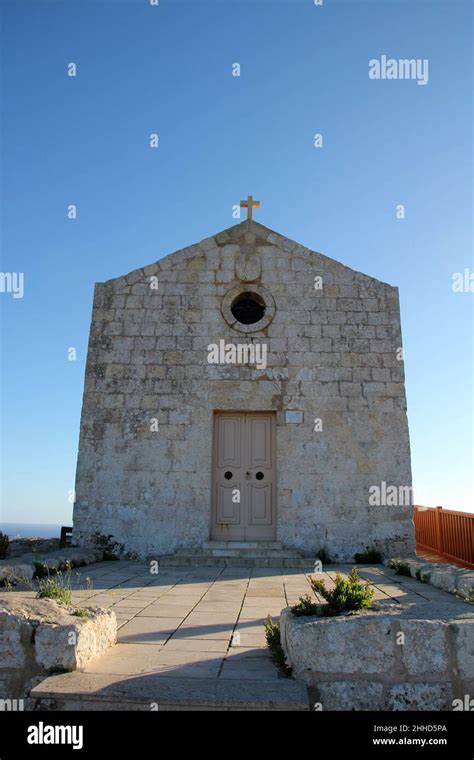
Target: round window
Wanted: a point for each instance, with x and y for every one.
(248, 308)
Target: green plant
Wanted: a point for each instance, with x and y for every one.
(368, 557)
(323, 555)
(305, 606)
(348, 595)
(81, 612)
(272, 636)
(111, 549)
(400, 567)
(4, 545)
(57, 587)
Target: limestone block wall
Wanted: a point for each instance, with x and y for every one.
(388, 660)
(39, 636)
(144, 464)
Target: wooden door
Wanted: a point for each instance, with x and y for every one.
(244, 477)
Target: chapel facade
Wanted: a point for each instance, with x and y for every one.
(245, 389)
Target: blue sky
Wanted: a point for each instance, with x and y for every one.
(168, 69)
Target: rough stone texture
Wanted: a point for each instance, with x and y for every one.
(419, 696)
(93, 636)
(358, 662)
(464, 646)
(38, 636)
(348, 695)
(367, 638)
(426, 647)
(332, 355)
(455, 580)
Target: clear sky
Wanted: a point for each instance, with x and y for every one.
(167, 69)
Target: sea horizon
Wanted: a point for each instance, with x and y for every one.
(30, 530)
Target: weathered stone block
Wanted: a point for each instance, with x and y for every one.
(419, 697)
(464, 648)
(425, 647)
(316, 646)
(70, 646)
(350, 695)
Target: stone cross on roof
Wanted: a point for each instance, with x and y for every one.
(250, 204)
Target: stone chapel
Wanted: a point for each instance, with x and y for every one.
(245, 393)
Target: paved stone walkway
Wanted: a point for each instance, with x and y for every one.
(208, 622)
(204, 622)
(205, 626)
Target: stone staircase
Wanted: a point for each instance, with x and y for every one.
(237, 554)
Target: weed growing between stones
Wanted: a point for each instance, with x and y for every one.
(81, 612)
(272, 635)
(370, 556)
(348, 595)
(400, 567)
(57, 587)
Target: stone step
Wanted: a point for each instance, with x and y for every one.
(253, 553)
(245, 545)
(206, 560)
(90, 691)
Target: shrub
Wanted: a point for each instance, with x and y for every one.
(111, 549)
(348, 595)
(323, 555)
(272, 635)
(369, 557)
(305, 606)
(4, 545)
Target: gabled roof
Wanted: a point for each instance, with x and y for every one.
(264, 235)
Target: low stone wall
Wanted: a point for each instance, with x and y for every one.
(27, 566)
(456, 580)
(39, 637)
(19, 546)
(386, 659)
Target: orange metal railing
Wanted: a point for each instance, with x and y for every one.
(446, 532)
